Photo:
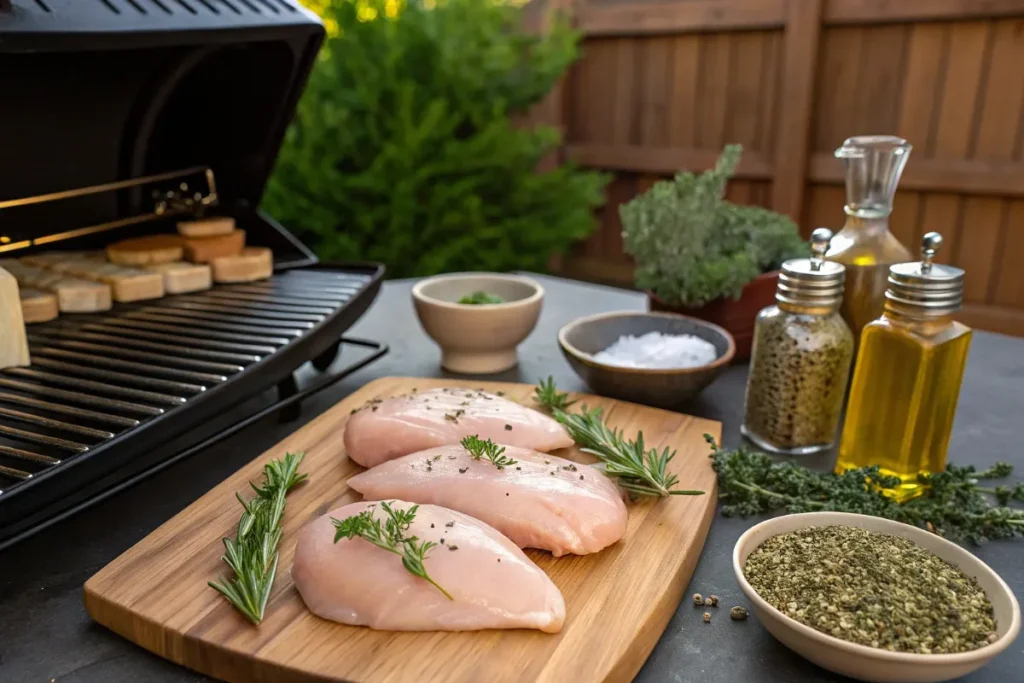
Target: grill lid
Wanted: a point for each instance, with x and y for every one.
(114, 90)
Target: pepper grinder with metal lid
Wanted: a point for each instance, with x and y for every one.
(908, 374)
(800, 362)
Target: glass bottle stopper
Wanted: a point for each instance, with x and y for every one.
(930, 245)
(820, 239)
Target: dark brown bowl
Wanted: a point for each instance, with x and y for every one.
(664, 388)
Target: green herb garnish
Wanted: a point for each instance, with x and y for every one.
(640, 471)
(253, 554)
(391, 537)
(953, 504)
(481, 297)
(487, 449)
(549, 397)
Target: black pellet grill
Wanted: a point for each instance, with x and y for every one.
(119, 118)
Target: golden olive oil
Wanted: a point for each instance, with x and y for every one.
(903, 397)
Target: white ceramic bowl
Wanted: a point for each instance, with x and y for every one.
(478, 339)
(868, 663)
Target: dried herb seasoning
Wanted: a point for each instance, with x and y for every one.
(873, 589)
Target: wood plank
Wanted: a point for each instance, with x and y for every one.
(993, 318)
(803, 26)
(655, 88)
(881, 11)
(624, 119)
(652, 18)
(976, 253)
(923, 78)
(956, 112)
(836, 101)
(1003, 101)
(905, 221)
(666, 160)
(740, 192)
(593, 94)
(824, 209)
(712, 101)
(942, 214)
(881, 79)
(603, 271)
(1009, 290)
(770, 103)
(621, 190)
(156, 594)
(746, 85)
(939, 175)
(686, 66)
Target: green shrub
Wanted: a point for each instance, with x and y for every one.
(402, 150)
(691, 246)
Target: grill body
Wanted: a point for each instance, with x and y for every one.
(110, 107)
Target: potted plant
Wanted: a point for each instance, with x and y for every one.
(699, 255)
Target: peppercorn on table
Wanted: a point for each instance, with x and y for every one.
(45, 633)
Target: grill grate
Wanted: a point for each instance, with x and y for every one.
(94, 378)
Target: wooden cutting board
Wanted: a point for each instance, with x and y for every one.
(617, 601)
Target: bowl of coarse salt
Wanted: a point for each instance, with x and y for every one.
(658, 359)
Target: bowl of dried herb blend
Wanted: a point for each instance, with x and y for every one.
(874, 599)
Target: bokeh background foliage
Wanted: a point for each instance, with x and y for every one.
(403, 150)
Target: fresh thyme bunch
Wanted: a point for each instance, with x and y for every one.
(953, 504)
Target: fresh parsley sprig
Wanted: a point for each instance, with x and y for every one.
(252, 555)
(391, 536)
(952, 503)
(639, 470)
(487, 449)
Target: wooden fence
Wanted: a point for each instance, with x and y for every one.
(664, 85)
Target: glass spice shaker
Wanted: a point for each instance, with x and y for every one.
(909, 369)
(800, 362)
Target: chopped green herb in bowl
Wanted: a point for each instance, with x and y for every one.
(481, 297)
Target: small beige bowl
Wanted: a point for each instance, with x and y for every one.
(868, 663)
(478, 339)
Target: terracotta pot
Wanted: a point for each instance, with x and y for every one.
(737, 316)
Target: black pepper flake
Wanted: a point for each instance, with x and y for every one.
(451, 457)
(431, 525)
(499, 559)
(581, 477)
(374, 409)
(450, 524)
(462, 470)
(508, 428)
(452, 547)
(442, 541)
(506, 493)
(519, 468)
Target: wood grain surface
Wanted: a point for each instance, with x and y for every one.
(618, 601)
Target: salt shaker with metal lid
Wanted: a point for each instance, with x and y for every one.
(909, 369)
(801, 355)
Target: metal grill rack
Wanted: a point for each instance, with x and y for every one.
(105, 379)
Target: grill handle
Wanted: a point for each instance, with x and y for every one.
(380, 349)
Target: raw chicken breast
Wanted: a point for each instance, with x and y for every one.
(494, 585)
(540, 502)
(398, 426)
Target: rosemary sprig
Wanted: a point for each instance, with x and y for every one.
(952, 503)
(391, 537)
(252, 555)
(487, 449)
(640, 471)
(548, 396)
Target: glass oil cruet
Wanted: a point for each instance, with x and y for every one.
(874, 164)
(800, 363)
(908, 373)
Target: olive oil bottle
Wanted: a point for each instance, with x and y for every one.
(874, 164)
(908, 373)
